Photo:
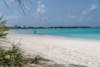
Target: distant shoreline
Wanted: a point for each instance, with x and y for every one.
(53, 27)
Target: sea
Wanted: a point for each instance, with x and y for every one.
(85, 33)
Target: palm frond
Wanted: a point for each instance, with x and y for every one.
(20, 3)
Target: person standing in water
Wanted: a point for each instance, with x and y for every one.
(35, 32)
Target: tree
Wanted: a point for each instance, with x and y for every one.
(3, 27)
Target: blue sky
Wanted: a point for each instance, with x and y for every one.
(52, 12)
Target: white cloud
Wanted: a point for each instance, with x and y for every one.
(93, 7)
(41, 10)
(41, 7)
(88, 12)
(9, 1)
(72, 16)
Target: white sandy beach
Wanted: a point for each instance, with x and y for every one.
(61, 50)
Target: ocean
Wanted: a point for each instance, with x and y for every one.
(87, 33)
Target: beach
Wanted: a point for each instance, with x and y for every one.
(62, 50)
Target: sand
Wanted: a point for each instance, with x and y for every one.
(62, 50)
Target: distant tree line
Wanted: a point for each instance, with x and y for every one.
(52, 27)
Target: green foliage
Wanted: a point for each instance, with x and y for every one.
(3, 27)
(11, 57)
(36, 60)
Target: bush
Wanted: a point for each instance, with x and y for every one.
(11, 57)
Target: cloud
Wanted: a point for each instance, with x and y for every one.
(9, 1)
(11, 17)
(93, 7)
(41, 10)
(72, 16)
(88, 12)
(14, 16)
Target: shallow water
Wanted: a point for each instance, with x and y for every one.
(88, 33)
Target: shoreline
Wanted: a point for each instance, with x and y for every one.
(60, 49)
(57, 36)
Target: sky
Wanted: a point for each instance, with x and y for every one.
(52, 12)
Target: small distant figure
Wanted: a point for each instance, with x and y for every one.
(35, 32)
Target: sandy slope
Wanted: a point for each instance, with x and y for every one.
(60, 49)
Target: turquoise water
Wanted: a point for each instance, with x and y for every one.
(89, 33)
